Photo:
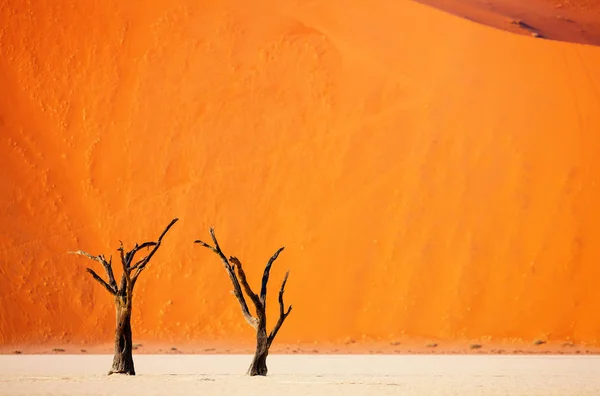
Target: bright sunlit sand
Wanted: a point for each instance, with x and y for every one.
(75, 375)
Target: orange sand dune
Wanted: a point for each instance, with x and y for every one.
(430, 177)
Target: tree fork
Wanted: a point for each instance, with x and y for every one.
(236, 273)
(123, 295)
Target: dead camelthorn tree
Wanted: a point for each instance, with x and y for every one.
(259, 323)
(123, 294)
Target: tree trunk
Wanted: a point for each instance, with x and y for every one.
(259, 323)
(123, 359)
(259, 363)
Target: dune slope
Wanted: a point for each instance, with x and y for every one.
(576, 21)
(429, 176)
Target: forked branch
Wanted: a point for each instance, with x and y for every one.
(142, 264)
(237, 290)
(127, 281)
(101, 281)
(128, 258)
(111, 286)
(236, 273)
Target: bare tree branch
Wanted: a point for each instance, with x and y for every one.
(237, 290)
(101, 281)
(242, 276)
(156, 245)
(265, 278)
(214, 238)
(148, 244)
(206, 245)
(109, 271)
(86, 254)
(111, 285)
(121, 250)
(126, 277)
(131, 254)
(283, 314)
(136, 265)
(123, 284)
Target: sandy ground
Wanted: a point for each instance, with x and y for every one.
(354, 347)
(303, 374)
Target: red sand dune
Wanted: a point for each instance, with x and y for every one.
(429, 176)
(575, 21)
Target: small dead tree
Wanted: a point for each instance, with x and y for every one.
(259, 323)
(123, 294)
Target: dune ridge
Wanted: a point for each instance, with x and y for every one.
(430, 177)
(576, 21)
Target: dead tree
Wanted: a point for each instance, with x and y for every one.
(259, 323)
(123, 294)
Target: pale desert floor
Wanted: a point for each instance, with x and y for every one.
(303, 374)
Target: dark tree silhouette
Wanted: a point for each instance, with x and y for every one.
(259, 323)
(123, 294)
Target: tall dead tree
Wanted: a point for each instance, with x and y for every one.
(123, 295)
(259, 323)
